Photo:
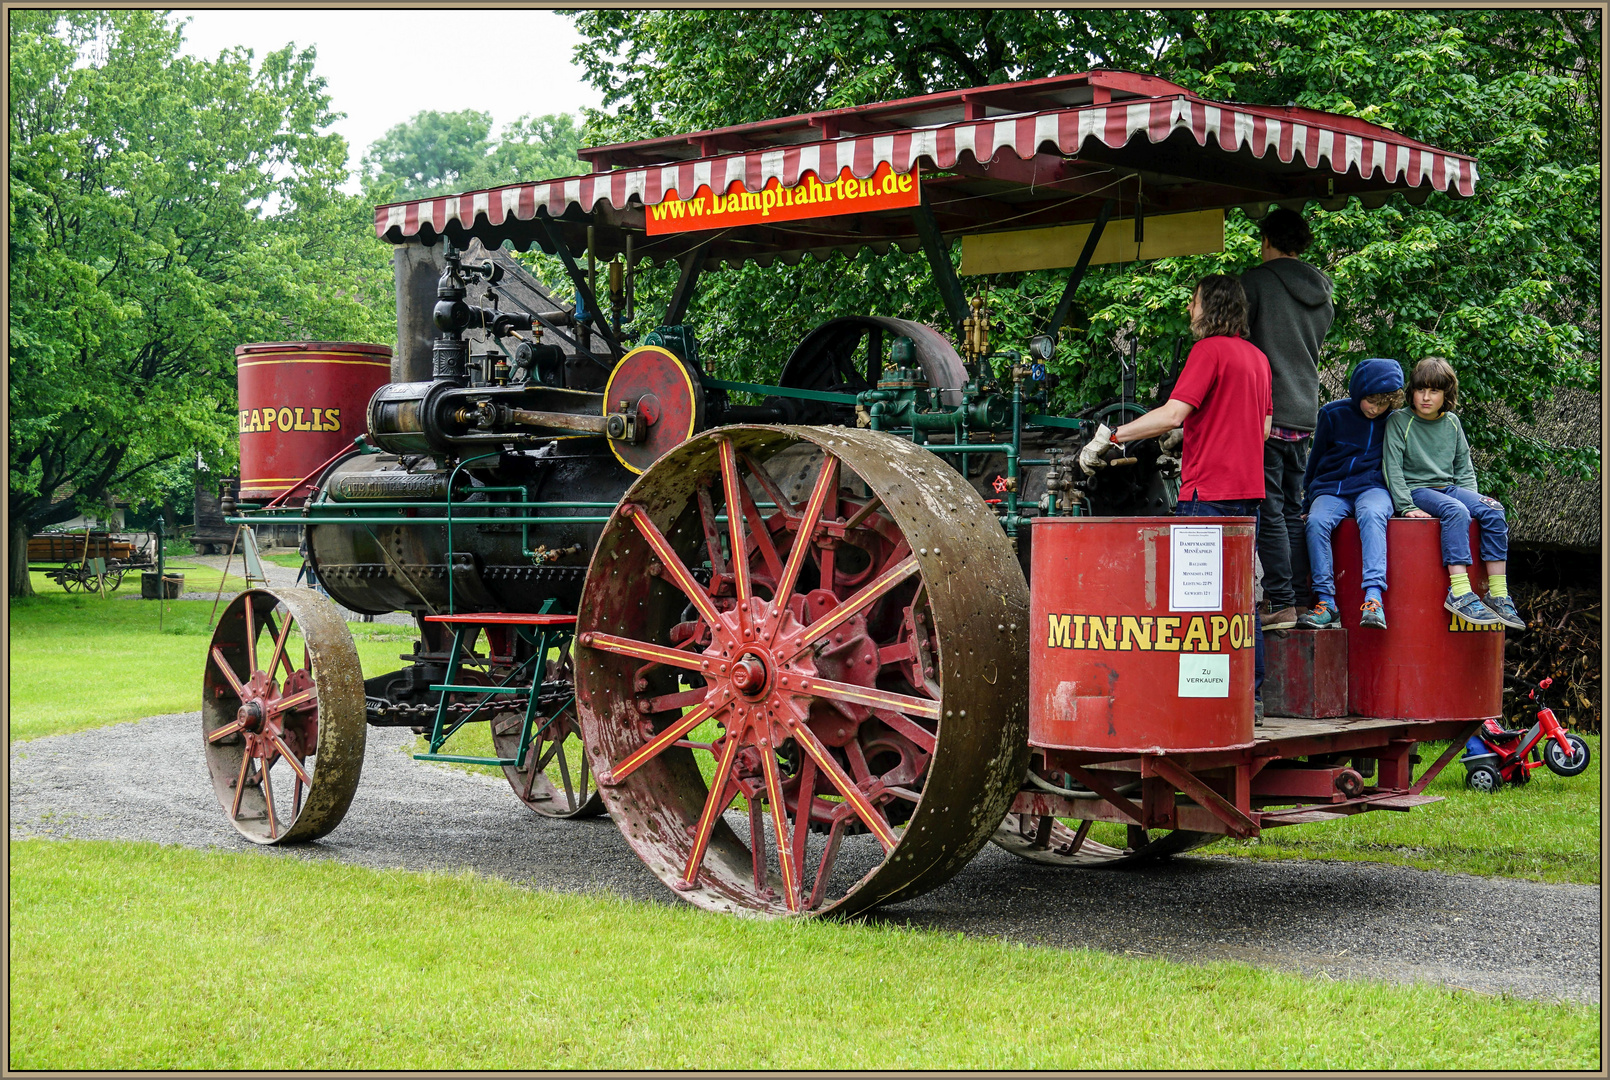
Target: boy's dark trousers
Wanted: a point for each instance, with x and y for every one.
(1194, 507)
(1282, 542)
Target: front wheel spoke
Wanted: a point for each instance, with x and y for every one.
(291, 760)
(564, 778)
(651, 749)
(779, 821)
(268, 798)
(714, 803)
(859, 602)
(871, 697)
(228, 673)
(299, 700)
(226, 731)
(826, 482)
(677, 572)
(240, 785)
(864, 809)
(251, 634)
(661, 654)
(279, 644)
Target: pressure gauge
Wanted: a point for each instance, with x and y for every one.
(1042, 347)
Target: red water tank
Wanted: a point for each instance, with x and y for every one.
(301, 402)
(1141, 634)
(1428, 664)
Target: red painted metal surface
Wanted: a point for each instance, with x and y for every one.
(1427, 664)
(1109, 654)
(301, 402)
(1305, 673)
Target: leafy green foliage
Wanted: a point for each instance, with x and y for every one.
(163, 210)
(1505, 284)
(437, 153)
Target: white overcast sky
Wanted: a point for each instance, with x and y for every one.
(382, 67)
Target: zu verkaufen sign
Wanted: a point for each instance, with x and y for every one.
(810, 198)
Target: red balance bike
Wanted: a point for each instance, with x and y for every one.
(1494, 756)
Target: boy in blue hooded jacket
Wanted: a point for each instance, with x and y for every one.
(1344, 478)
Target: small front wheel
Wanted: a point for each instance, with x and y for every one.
(1483, 778)
(1561, 765)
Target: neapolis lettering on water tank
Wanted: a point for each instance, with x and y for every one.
(290, 419)
(1126, 633)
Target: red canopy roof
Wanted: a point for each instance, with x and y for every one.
(1012, 156)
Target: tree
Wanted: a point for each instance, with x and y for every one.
(1506, 283)
(163, 209)
(437, 153)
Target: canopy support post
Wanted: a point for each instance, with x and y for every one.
(938, 252)
(682, 295)
(1076, 275)
(579, 280)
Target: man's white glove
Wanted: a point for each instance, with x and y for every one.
(1090, 457)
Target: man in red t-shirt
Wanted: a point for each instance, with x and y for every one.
(1223, 400)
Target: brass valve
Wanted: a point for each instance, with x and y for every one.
(975, 331)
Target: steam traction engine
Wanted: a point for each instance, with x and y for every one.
(784, 634)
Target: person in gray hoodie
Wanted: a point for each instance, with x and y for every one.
(1289, 311)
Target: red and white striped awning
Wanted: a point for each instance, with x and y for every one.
(1319, 141)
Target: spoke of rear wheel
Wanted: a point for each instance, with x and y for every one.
(676, 573)
(779, 821)
(868, 813)
(661, 654)
(651, 749)
(764, 543)
(730, 484)
(714, 803)
(858, 603)
(826, 482)
(871, 697)
(804, 799)
(768, 485)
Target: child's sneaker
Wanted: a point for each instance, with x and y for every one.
(1324, 614)
(1372, 616)
(1504, 608)
(1470, 608)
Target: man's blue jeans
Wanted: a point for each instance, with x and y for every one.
(1194, 507)
(1373, 509)
(1455, 506)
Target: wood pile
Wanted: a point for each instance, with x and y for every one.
(1562, 642)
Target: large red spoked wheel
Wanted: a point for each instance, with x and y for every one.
(282, 715)
(854, 680)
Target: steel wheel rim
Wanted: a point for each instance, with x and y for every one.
(283, 740)
(776, 681)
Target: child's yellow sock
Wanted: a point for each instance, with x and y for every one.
(1459, 584)
(1498, 584)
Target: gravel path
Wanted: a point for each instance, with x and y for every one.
(147, 781)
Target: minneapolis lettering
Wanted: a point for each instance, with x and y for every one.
(289, 419)
(1463, 626)
(1147, 633)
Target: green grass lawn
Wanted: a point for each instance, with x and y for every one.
(135, 956)
(283, 558)
(78, 661)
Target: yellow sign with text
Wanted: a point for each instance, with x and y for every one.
(1126, 633)
(290, 419)
(810, 198)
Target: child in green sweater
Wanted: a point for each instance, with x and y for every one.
(1429, 474)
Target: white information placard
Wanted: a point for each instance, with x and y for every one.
(1196, 568)
(1205, 675)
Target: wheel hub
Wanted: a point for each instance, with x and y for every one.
(750, 675)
